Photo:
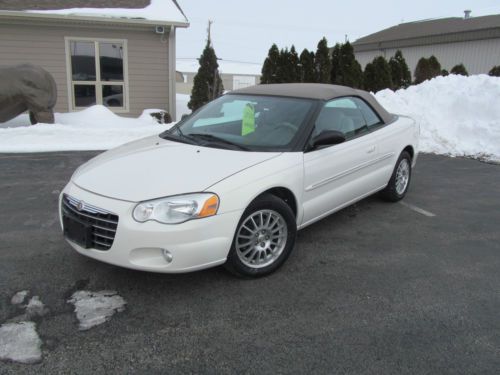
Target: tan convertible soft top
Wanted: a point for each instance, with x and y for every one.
(314, 91)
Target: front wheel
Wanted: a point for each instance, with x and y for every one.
(264, 238)
(400, 180)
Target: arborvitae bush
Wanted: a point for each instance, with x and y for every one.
(377, 75)
(283, 71)
(460, 70)
(293, 61)
(427, 69)
(422, 71)
(322, 62)
(270, 67)
(495, 71)
(369, 76)
(400, 73)
(435, 66)
(345, 68)
(335, 72)
(207, 84)
(306, 61)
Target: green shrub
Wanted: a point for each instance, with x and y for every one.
(460, 70)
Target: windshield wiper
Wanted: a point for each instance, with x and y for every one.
(213, 138)
(179, 137)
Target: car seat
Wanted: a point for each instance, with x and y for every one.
(347, 125)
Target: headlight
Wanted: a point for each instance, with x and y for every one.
(177, 209)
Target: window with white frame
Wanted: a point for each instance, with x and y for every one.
(97, 73)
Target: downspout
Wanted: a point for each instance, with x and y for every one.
(171, 74)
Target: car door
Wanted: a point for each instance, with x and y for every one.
(386, 137)
(336, 175)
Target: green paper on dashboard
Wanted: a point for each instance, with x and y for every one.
(248, 123)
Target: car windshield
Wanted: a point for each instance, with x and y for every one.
(245, 122)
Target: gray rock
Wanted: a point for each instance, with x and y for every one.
(27, 88)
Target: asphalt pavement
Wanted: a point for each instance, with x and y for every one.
(377, 288)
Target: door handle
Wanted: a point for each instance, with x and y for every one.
(370, 150)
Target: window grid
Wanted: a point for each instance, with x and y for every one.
(98, 84)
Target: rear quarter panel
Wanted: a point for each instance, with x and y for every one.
(392, 139)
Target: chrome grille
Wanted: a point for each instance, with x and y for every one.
(103, 223)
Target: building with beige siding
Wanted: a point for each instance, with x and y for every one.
(472, 41)
(122, 56)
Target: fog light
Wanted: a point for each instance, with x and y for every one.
(168, 256)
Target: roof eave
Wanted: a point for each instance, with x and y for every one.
(451, 37)
(97, 19)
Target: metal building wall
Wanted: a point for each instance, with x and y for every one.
(478, 56)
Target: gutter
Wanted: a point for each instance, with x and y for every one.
(96, 19)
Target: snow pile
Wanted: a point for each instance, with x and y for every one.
(19, 297)
(19, 342)
(94, 128)
(157, 10)
(94, 308)
(182, 105)
(35, 307)
(458, 116)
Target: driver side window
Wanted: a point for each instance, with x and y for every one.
(341, 115)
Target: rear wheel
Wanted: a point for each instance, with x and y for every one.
(400, 180)
(264, 238)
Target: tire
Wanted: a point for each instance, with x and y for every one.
(259, 247)
(396, 188)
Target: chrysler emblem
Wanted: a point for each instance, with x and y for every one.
(80, 206)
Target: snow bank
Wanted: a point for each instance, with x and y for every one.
(94, 128)
(19, 342)
(94, 308)
(182, 105)
(35, 307)
(458, 116)
(19, 297)
(157, 10)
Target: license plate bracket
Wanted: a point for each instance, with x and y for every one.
(77, 231)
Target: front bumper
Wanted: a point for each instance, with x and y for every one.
(193, 245)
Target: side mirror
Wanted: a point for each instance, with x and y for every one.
(328, 138)
(184, 116)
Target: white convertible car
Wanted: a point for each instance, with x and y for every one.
(232, 183)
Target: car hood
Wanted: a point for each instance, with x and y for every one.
(153, 167)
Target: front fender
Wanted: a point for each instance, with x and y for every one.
(239, 190)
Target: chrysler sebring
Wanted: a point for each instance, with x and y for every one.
(233, 182)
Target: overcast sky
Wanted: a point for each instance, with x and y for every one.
(244, 31)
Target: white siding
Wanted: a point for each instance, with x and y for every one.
(478, 56)
(228, 80)
(240, 82)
